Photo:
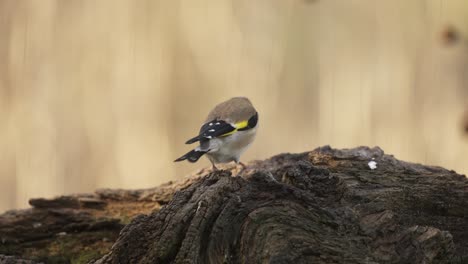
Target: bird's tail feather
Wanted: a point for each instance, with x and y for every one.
(191, 156)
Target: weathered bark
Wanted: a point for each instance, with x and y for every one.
(78, 228)
(14, 260)
(326, 206)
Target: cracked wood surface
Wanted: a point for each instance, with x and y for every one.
(324, 206)
(76, 228)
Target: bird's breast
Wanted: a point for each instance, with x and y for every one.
(231, 147)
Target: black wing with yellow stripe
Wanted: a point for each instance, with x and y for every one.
(213, 129)
(219, 128)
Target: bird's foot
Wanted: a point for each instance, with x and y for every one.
(244, 167)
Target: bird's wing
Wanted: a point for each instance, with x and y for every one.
(213, 129)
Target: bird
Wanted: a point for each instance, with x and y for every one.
(227, 132)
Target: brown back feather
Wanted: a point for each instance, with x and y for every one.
(233, 110)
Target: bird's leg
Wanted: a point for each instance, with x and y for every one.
(243, 168)
(213, 166)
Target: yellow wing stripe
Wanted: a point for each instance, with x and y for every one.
(241, 124)
(238, 125)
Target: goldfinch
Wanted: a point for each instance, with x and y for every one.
(228, 131)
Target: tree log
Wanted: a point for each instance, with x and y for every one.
(325, 206)
(76, 228)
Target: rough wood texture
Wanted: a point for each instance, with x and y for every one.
(77, 228)
(325, 206)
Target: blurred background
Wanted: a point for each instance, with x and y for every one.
(104, 93)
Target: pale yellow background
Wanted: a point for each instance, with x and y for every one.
(104, 93)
